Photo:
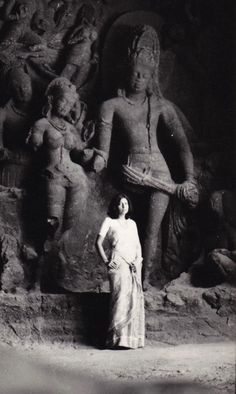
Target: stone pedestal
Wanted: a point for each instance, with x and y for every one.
(177, 314)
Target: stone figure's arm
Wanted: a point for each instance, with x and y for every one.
(3, 151)
(8, 9)
(2, 119)
(78, 144)
(104, 130)
(226, 252)
(176, 132)
(36, 134)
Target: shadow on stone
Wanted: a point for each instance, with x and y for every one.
(202, 275)
(95, 315)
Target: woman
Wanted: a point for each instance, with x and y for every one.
(124, 262)
(65, 181)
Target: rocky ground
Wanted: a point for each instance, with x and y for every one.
(53, 343)
(158, 368)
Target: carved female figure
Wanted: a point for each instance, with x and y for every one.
(137, 112)
(81, 54)
(65, 181)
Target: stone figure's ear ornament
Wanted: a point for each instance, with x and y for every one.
(46, 111)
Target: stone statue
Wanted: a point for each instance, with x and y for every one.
(16, 118)
(65, 181)
(138, 111)
(81, 55)
(18, 16)
(220, 262)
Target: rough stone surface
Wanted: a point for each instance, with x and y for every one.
(177, 314)
(73, 263)
(191, 62)
(11, 267)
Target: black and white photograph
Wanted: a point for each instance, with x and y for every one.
(117, 197)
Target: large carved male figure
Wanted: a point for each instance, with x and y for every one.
(137, 112)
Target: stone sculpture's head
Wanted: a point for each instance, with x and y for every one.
(83, 34)
(143, 59)
(20, 86)
(24, 10)
(61, 97)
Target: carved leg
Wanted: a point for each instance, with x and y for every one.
(75, 205)
(56, 195)
(157, 208)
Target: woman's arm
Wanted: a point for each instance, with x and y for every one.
(100, 249)
(100, 238)
(139, 257)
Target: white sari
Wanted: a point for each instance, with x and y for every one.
(126, 327)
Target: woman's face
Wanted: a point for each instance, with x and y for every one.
(123, 206)
(62, 106)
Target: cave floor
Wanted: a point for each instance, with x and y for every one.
(210, 364)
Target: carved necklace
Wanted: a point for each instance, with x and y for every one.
(123, 95)
(18, 111)
(60, 127)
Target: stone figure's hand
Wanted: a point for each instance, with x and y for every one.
(182, 189)
(146, 285)
(98, 164)
(231, 254)
(223, 251)
(188, 193)
(87, 155)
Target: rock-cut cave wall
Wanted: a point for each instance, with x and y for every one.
(84, 41)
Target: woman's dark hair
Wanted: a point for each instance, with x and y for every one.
(113, 211)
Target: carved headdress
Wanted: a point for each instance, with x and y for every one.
(60, 87)
(144, 49)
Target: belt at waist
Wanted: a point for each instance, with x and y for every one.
(143, 151)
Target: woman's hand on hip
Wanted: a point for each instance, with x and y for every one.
(112, 265)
